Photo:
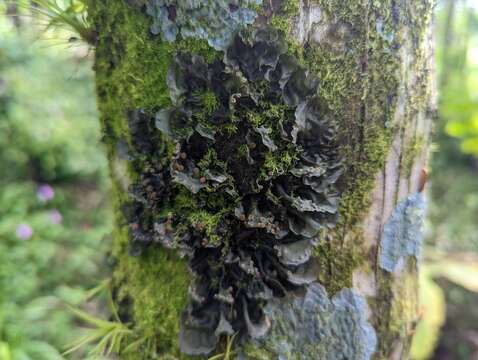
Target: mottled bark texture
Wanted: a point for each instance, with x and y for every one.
(266, 159)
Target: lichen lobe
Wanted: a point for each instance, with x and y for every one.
(403, 233)
(314, 326)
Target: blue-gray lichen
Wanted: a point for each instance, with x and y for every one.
(313, 326)
(216, 21)
(403, 233)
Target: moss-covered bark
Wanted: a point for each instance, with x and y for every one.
(256, 163)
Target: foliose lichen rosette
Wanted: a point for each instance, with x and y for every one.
(258, 163)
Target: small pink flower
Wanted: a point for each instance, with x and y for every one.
(24, 231)
(45, 193)
(55, 217)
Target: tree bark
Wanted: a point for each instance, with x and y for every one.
(267, 164)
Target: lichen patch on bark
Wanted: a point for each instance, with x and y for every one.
(403, 233)
(314, 326)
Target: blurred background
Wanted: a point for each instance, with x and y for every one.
(54, 212)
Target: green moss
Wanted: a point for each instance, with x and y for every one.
(339, 78)
(255, 119)
(289, 9)
(157, 283)
(362, 112)
(281, 20)
(366, 138)
(361, 180)
(397, 302)
(210, 102)
(243, 150)
(131, 73)
(337, 264)
(353, 13)
(269, 115)
(253, 353)
(128, 30)
(278, 163)
(230, 129)
(208, 160)
(207, 222)
(183, 200)
(410, 154)
(131, 69)
(146, 92)
(155, 287)
(340, 83)
(199, 47)
(133, 62)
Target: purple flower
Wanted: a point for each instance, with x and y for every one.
(45, 193)
(24, 231)
(55, 217)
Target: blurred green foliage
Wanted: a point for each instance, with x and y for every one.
(459, 271)
(449, 273)
(458, 71)
(454, 168)
(51, 245)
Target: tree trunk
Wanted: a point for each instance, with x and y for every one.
(267, 164)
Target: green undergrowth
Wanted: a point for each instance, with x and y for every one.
(52, 247)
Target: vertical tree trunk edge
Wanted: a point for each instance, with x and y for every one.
(374, 61)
